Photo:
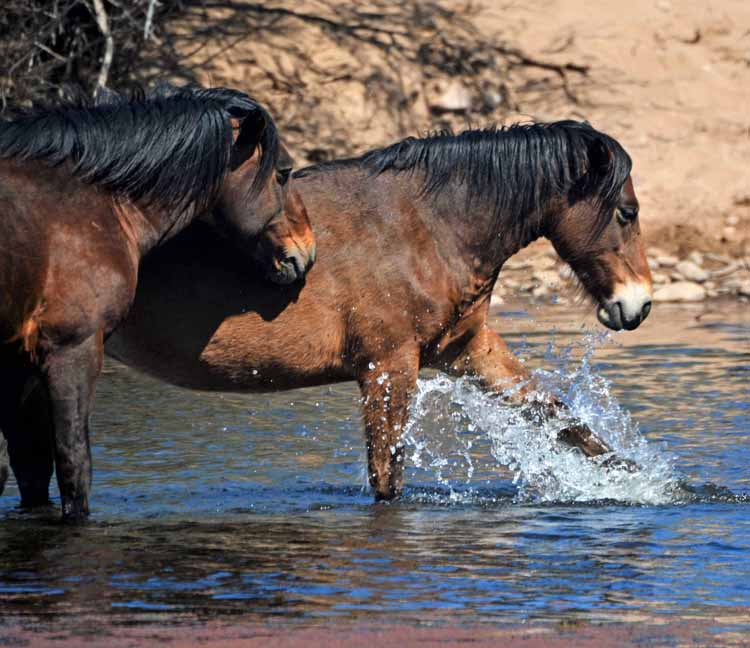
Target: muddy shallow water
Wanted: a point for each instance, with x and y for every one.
(252, 508)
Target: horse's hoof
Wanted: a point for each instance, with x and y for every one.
(619, 463)
(74, 512)
(36, 500)
(387, 497)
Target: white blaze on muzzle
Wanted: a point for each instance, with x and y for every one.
(632, 297)
(628, 307)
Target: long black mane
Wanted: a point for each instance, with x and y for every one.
(514, 170)
(171, 147)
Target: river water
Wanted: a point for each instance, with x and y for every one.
(252, 507)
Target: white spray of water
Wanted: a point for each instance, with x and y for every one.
(450, 416)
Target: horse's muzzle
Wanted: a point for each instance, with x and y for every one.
(629, 305)
(614, 316)
(294, 266)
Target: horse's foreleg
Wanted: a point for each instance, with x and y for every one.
(71, 376)
(487, 357)
(4, 462)
(386, 390)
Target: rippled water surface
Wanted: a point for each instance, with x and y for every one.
(209, 505)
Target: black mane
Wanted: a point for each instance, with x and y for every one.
(513, 170)
(171, 147)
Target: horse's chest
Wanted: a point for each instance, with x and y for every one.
(89, 281)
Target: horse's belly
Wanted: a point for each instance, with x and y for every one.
(237, 357)
(243, 352)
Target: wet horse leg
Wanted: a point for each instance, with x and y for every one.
(30, 445)
(24, 418)
(4, 461)
(488, 357)
(71, 375)
(386, 391)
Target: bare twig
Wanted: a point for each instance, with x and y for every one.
(109, 43)
(149, 19)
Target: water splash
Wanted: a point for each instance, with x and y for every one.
(451, 418)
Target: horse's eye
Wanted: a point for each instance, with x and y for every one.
(626, 215)
(282, 176)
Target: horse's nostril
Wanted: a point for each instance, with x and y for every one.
(645, 310)
(298, 266)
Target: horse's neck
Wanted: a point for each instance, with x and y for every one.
(149, 227)
(474, 236)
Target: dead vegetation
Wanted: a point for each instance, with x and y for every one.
(342, 76)
(337, 76)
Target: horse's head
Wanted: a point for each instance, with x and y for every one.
(256, 207)
(601, 240)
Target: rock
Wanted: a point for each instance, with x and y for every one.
(718, 258)
(744, 288)
(680, 291)
(509, 283)
(566, 272)
(659, 278)
(730, 268)
(546, 277)
(655, 252)
(667, 260)
(544, 263)
(455, 97)
(691, 271)
(540, 291)
(732, 285)
(729, 232)
(732, 220)
(653, 263)
(515, 264)
(696, 257)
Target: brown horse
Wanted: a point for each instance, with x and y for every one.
(413, 237)
(86, 190)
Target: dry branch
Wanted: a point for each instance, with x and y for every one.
(109, 43)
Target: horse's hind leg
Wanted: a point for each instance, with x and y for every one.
(27, 429)
(386, 391)
(31, 445)
(487, 356)
(71, 375)
(4, 462)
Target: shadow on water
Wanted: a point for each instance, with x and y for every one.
(216, 506)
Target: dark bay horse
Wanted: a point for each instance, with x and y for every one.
(87, 189)
(412, 239)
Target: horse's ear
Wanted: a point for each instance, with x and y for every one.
(251, 131)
